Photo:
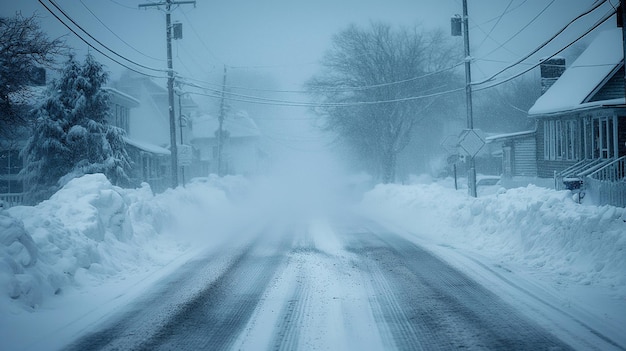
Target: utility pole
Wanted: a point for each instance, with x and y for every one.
(456, 31)
(170, 80)
(471, 177)
(220, 130)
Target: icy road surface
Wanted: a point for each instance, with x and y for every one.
(336, 286)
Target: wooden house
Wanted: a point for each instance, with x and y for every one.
(581, 123)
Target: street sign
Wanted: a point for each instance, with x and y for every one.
(451, 144)
(471, 141)
(185, 154)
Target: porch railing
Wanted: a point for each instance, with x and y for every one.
(12, 199)
(577, 172)
(607, 185)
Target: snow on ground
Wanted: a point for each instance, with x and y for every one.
(93, 247)
(92, 242)
(534, 239)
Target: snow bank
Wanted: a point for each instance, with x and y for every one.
(534, 226)
(91, 231)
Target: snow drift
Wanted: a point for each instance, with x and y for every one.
(537, 227)
(90, 231)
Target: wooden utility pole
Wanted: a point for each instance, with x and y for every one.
(170, 80)
(471, 177)
(220, 130)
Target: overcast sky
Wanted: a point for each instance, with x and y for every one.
(276, 44)
(286, 38)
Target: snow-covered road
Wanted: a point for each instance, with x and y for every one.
(327, 285)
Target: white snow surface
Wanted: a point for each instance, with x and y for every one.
(93, 246)
(583, 76)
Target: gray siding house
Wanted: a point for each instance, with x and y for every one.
(581, 123)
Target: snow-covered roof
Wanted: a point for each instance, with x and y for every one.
(147, 146)
(118, 95)
(238, 126)
(498, 137)
(578, 81)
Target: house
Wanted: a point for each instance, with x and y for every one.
(11, 163)
(518, 151)
(581, 123)
(150, 162)
(240, 151)
(150, 125)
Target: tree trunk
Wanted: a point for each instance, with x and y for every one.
(389, 167)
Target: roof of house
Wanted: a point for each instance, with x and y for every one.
(510, 136)
(122, 97)
(238, 126)
(147, 146)
(573, 89)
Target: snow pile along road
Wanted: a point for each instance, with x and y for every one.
(536, 227)
(91, 231)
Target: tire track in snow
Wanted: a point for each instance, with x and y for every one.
(291, 320)
(443, 308)
(584, 325)
(215, 319)
(207, 317)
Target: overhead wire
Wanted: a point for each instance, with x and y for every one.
(596, 25)
(95, 47)
(544, 44)
(117, 36)
(256, 99)
(204, 45)
(96, 40)
(488, 35)
(326, 89)
(523, 28)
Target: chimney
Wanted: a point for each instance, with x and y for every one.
(551, 70)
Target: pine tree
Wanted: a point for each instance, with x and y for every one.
(72, 136)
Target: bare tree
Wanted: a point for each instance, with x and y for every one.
(24, 48)
(377, 83)
(505, 108)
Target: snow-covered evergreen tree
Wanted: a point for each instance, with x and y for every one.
(72, 136)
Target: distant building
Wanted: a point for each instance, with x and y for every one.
(151, 163)
(240, 152)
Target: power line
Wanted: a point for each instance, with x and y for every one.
(593, 8)
(498, 17)
(94, 47)
(266, 101)
(117, 36)
(122, 5)
(96, 40)
(523, 28)
(342, 89)
(488, 35)
(604, 19)
(206, 47)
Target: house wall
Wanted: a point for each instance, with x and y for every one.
(524, 154)
(621, 135)
(546, 168)
(612, 89)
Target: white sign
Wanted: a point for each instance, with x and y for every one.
(185, 153)
(471, 141)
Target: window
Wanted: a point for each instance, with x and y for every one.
(561, 140)
(10, 162)
(603, 137)
(121, 117)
